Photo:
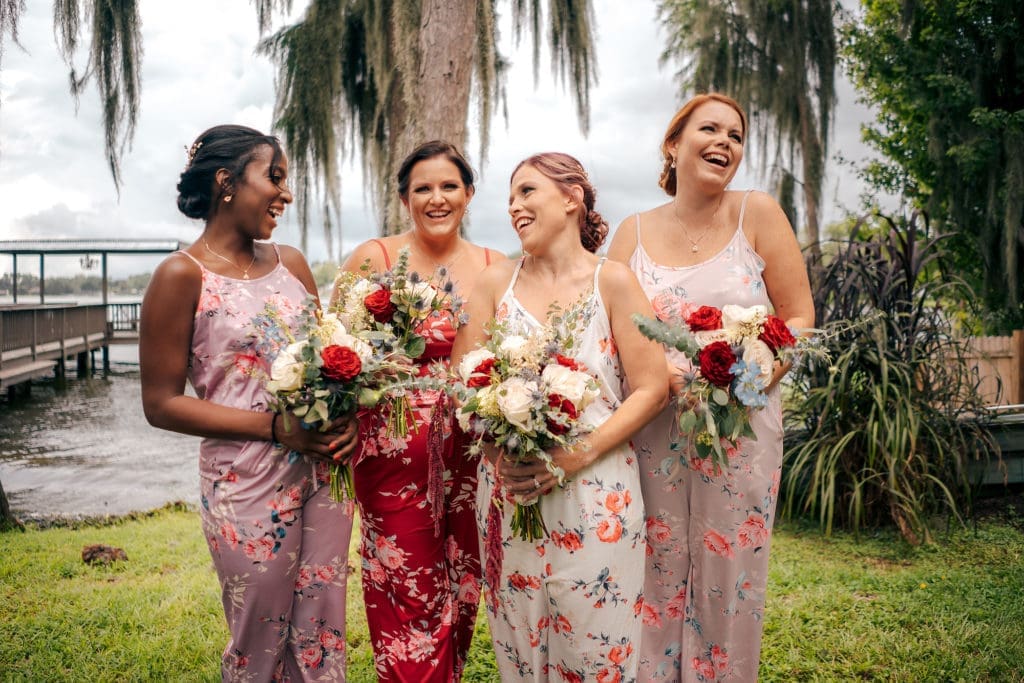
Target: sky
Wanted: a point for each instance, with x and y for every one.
(200, 69)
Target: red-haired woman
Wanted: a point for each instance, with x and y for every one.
(709, 528)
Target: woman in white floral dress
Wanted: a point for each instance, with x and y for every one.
(709, 529)
(565, 607)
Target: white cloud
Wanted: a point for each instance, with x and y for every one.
(200, 69)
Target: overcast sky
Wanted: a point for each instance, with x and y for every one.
(199, 69)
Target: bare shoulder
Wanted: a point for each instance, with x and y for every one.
(178, 270)
(291, 257)
(623, 241)
(496, 274)
(616, 278)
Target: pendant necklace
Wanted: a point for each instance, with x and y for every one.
(245, 271)
(694, 248)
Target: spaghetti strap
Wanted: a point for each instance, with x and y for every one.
(185, 253)
(743, 209)
(383, 249)
(487, 256)
(515, 276)
(597, 270)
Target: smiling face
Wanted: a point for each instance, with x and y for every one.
(260, 196)
(710, 147)
(437, 197)
(539, 207)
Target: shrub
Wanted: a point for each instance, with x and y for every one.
(886, 432)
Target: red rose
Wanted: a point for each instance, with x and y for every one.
(715, 359)
(705, 318)
(563, 404)
(340, 363)
(481, 375)
(776, 334)
(379, 305)
(567, 362)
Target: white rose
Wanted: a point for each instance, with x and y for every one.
(470, 362)
(757, 353)
(576, 386)
(364, 288)
(516, 400)
(421, 290)
(743, 321)
(514, 347)
(330, 329)
(286, 370)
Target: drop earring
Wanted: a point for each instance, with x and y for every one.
(227, 198)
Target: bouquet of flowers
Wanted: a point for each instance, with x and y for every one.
(733, 350)
(392, 310)
(526, 397)
(323, 371)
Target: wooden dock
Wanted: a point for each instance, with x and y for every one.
(37, 340)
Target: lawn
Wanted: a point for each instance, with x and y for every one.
(839, 608)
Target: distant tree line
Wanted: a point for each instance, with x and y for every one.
(77, 284)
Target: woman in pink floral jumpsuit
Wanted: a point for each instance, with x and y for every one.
(278, 542)
(708, 530)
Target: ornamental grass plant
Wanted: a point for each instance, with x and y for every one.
(886, 433)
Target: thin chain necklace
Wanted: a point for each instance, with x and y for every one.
(694, 243)
(245, 271)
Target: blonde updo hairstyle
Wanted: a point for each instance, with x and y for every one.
(667, 181)
(566, 171)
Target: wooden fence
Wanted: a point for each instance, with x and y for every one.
(999, 362)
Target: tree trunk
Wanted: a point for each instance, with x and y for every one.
(810, 149)
(439, 93)
(7, 520)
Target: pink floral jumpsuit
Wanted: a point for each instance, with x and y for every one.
(708, 530)
(279, 544)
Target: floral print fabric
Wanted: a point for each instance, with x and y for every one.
(279, 544)
(567, 605)
(708, 530)
(421, 587)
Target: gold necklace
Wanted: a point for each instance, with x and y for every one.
(245, 271)
(694, 248)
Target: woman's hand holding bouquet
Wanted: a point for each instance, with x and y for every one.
(526, 398)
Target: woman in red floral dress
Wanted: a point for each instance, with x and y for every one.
(421, 566)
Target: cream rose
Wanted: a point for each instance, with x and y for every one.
(516, 400)
(514, 347)
(286, 370)
(756, 352)
(576, 386)
(742, 321)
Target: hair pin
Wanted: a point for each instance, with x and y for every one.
(190, 154)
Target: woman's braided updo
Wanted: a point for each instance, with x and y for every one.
(230, 147)
(566, 171)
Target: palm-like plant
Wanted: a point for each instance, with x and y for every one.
(778, 59)
(887, 432)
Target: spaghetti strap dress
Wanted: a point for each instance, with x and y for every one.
(708, 530)
(420, 559)
(564, 608)
(278, 542)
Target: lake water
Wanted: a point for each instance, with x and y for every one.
(83, 447)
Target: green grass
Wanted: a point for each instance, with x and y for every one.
(838, 609)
